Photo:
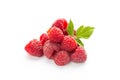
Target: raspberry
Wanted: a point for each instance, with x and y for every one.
(60, 23)
(61, 58)
(34, 48)
(79, 55)
(55, 35)
(50, 48)
(43, 38)
(68, 44)
(60, 43)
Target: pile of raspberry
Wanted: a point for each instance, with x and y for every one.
(56, 44)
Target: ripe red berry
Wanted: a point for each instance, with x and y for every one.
(55, 35)
(34, 48)
(68, 44)
(79, 55)
(60, 23)
(62, 58)
(43, 38)
(49, 49)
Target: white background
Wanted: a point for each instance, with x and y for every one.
(23, 20)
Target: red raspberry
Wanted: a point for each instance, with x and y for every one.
(55, 35)
(68, 43)
(43, 38)
(60, 23)
(62, 58)
(50, 48)
(34, 48)
(79, 55)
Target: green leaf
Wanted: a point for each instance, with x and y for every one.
(70, 28)
(79, 42)
(78, 32)
(84, 32)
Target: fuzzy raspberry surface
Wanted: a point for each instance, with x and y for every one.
(55, 34)
(62, 58)
(68, 43)
(50, 48)
(79, 55)
(34, 48)
(60, 23)
(43, 38)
